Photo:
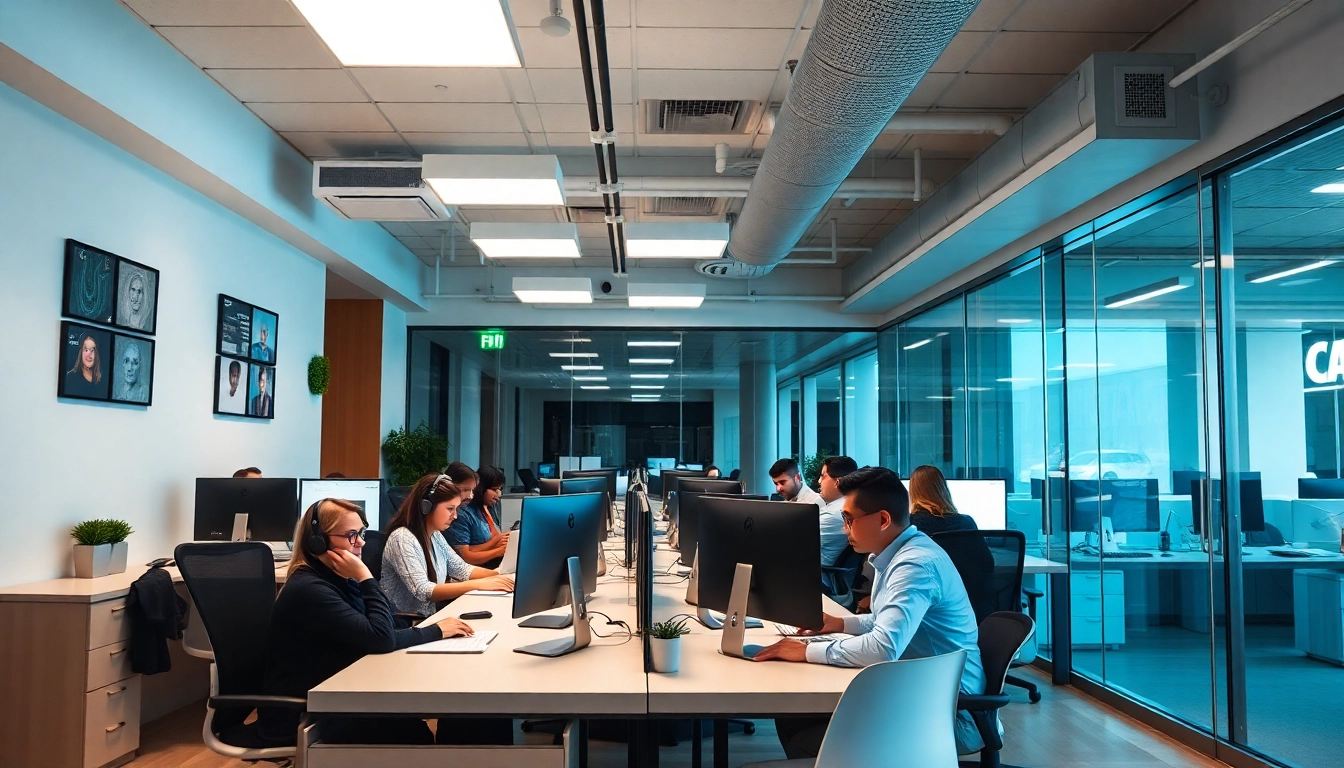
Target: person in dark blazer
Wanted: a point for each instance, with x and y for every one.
(261, 404)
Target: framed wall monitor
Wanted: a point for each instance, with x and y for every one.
(85, 362)
(90, 285)
(132, 370)
(137, 297)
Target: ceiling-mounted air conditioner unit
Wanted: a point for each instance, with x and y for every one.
(376, 190)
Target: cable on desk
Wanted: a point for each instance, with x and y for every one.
(629, 633)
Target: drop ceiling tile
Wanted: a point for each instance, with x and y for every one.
(331, 118)
(541, 51)
(1056, 53)
(702, 145)
(573, 119)
(959, 51)
(432, 84)
(579, 144)
(985, 91)
(216, 13)
(450, 143)
(712, 48)
(989, 15)
(565, 86)
(744, 14)
(928, 90)
(308, 85)
(529, 13)
(251, 47)
(1075, 16)
(452, 118)
(325, 145)
(735, 85)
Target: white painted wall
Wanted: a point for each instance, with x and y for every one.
(1276, 419)
(65, 461)
(393, 412)
(727, 450)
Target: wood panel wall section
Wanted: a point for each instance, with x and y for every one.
(351, 408)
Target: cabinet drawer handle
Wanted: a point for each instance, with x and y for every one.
(117, 653)
(112, 728)
(118, 610)
(119, 690)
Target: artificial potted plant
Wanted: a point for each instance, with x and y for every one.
(117, 531)
(665, 644)
(411, 454)
(93, 550)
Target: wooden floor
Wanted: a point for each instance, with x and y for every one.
(1065, 730)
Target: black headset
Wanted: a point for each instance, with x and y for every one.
(317, 540)
(426, 504)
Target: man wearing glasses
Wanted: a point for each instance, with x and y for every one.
(920, 606)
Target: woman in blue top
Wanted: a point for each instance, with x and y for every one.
(475, 534)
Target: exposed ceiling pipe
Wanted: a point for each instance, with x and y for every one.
(734, 186)
(934, 122)
(863, 59)
(606, 163)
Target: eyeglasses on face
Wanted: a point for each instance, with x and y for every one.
(353, 536)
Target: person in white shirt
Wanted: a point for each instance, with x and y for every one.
(833, 538)
(920, 606)
(789, 483)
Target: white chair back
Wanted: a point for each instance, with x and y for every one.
(897, 712)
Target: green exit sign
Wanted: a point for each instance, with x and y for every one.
(492, 340)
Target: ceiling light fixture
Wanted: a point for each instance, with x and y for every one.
(573, 354)
(526, 241)
(462, 33)
(676, 240)
(580, 367)
(917, 344)
(666, 295)
(1336, 188)
(648, 375)
(569, 341)
(509, 180)
(646, 386)
(653, 343)
(1150, 291)
(595, 386)
(590, 378)
(1014, 320)
(553, 290)
(555, 25)
(1285, 270)
(651, 361)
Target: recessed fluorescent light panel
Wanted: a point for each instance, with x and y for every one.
(416, 33)
(590, 378)
(666, 295)
(648, 375)
(526, 241)
(917, 344)
(553, 290)
(1336, 188)
(510, 180)
(1014, 320)
(653, 343)
(646, 386)
(1151, 291)
(676, 240)
(650, 361)
(1285, 270)
(595, 386)
(572, 355)
(580, 367)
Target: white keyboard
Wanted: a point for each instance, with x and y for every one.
(787, 630)
(477, 643)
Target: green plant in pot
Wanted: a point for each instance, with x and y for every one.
(665, 643)
(98, 543)
(811, 468)
(117, 533)
(414, 453)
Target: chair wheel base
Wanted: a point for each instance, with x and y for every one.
(1035, 697)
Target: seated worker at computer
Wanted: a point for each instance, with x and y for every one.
(331, 613)
(931, 507)
(833, 538)
(247, 472)
(463, 477)
(920, 607)
(789, 483)
(475, 534)
(419, 568)
(712, 471)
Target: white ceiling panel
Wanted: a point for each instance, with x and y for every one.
(565, 86)
(221, 13)
(712, 48)
(308, 85)
(744, 85)
(449, 143)
(333, 118)
(1092, 16)
(736, 142)
(251, 47)
(579, 144)
(540, 215)
(958, 53)
(432, 84)
(742, 14)
(453, 118)
(990, 14)
(573, 118)
(1051, 53)
(543, 52)
(321, 144)
(928, 90)
(529, 13)
(984, 91)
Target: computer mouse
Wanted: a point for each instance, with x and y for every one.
(750, 650)
(1166, 554)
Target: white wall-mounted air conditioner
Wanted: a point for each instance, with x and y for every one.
(376, 190)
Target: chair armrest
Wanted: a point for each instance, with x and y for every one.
(280, 702)
(982, 702)
(1033, 593)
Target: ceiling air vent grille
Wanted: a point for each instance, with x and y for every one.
(683, 206)
(406, 177)
(1142, 98)
(580, 214)
(698, 116)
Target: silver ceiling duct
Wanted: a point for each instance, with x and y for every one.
(863, 59)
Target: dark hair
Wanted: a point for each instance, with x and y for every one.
(490, 478)
(712, 468)
(437, 489)
(839, 466)
(876, 489)
(245, 471)
(334, 476)
(783, 467)
(235, 367)
(97, 358)
(459, 473)
(329, 513)
(929, 492)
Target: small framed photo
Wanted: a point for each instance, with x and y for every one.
(265, 328)
(85, 362)
(137, 297)
(90, 287)
(235, 327)
(132, 369)
(261, 392)
(232, 379)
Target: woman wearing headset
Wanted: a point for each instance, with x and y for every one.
(331, 613)
(419, 568)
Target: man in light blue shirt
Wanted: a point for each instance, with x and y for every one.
(833, 538)
(920, 606)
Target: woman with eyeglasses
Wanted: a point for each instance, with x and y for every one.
(331, 613)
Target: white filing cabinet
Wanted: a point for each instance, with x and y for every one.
(1318, 614)
(1097, 607)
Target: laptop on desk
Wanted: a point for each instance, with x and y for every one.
(509, 563)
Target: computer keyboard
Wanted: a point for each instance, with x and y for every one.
(1126, 554)
(1289, 553)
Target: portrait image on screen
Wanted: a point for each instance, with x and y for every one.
(366, 494)
(231, 383)
(137, 296)
(90, 288)
(132, 369)
(264, 331)
(235, 327)
(261, 392)
(85, 362)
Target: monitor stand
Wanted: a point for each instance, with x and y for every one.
(239, 527)
(693, 586)
(579, 614)
(735, 620)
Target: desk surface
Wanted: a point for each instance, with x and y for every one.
(1251, 557)
(72, 590)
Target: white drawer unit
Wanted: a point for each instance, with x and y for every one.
(1097, 608)
(1318, 614)
(111, 722)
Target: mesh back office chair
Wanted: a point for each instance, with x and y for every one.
(990, 564)
(529, 479)
(839, 581)
(232, 584)
(1002, 635)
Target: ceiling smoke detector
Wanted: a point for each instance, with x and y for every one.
(555, 25)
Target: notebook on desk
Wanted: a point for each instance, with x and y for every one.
(477, 643)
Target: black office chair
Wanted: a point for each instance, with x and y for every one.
(233, 587)
(736, 474)
(397, 495)
(990, 564)
(529, 479)
(839, 581)
(1002, 635)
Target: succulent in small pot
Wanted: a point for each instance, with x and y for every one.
(665, 644)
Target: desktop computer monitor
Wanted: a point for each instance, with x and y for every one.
(1320, 488)
(528, 478)
(270, 503)
(1132, 505)
(671, 476)
(693, 467)
(609, 475)
(660, 463)
(709, 485)
(548, 486)
(548, 470)
(558, 545)
(572, 485)
(365, 494)
(1056, 486)
(1182, 479)
(985, 501)
(1252, 503)
(781, 542)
